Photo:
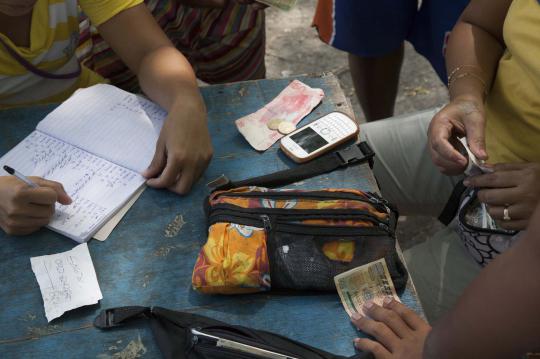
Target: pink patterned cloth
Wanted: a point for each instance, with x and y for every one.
(293, 103)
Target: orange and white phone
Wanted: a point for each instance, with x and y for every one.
(319, 136)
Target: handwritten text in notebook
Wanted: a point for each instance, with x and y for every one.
(96, 186)
(96, 144)
(110, 123)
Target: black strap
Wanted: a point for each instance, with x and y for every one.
(114, 317)
(354, 154)
(452, 205)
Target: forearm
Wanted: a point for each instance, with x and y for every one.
(475, 47)
(497, 316)
(164, 73)
(166, 77)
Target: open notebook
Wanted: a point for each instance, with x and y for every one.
(96, 144)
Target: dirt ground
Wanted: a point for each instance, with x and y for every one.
(293, 48)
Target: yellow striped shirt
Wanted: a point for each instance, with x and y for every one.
(54, 36)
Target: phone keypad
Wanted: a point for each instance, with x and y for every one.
(332, 127)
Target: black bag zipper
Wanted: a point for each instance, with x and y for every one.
(263, 221)
(379, 203)
(338, 213)
(239, 336)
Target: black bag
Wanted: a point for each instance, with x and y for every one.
(302, 234)
(483, 243)
(176, 334)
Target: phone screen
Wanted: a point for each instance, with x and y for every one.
(309, 140)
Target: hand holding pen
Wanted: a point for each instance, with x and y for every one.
(28, 203)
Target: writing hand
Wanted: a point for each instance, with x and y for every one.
(512, 185)
(461, 117)
(25, 209)
(398, 331)
(183, 150)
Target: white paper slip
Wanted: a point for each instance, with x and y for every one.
(67, 280)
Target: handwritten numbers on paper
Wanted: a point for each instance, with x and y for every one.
(67, 280)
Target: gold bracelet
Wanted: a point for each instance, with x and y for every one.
(465, 74)
(473, 75)
(460, 67)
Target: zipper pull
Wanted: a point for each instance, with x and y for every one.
(266, 222)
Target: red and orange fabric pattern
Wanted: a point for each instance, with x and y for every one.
(234, 259)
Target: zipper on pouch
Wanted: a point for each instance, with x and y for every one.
(379, 203)
(301, 214)
(278, 225)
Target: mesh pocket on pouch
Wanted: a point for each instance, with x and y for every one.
(298, 261)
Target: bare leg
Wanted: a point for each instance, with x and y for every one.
(376, 82)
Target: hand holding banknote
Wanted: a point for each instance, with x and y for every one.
(399, 332)
(370, 299)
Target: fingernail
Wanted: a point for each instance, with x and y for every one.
(388, 300)
(356, 316)
(368, 304)
(466, 183)
(356, 340)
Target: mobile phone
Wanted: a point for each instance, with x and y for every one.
(319, 136)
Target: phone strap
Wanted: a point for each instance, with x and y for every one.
(354, 154)
(37, 71)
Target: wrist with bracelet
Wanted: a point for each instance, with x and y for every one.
(467, 71)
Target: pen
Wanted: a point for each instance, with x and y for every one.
(20, 176)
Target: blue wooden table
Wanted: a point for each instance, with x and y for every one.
(140, 265)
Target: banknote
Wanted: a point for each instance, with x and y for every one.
(371, 281)
(479, 217)
(295, 102)
(475, 166)
(280, 4)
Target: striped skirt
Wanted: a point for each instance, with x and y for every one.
(222, 45)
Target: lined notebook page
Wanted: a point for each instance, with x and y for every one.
(98, 187)
(110, 123)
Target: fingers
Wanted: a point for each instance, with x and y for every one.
(515, 212)
(186, 180)
(474, 127)
(168, 177)
(445, 156)
(158, 162)
(369, 345)
(514, 225)
(44, 195)
(519, 214)
(22, 225)
(408, 315)
(499, 197)
(189, 176)
(497, 179)
(33, 210)
(379, 330)
(180, 173)
(390, 318)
